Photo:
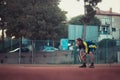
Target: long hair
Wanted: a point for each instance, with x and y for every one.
(79, 39)
(82, 44)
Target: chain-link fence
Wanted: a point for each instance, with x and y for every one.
(50, 52)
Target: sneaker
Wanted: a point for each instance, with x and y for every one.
(83, 66)
(91, 66)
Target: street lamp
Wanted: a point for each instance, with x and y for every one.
(89, 13)
(84, 27)
(84, 23)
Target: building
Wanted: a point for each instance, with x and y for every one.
(76, 31)
(110, 24)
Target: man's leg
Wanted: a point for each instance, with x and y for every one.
(91, 59)
(83, 58)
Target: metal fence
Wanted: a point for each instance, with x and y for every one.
(50, 52)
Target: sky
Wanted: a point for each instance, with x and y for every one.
(75, 8)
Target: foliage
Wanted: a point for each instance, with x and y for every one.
(78, 21)
(93, 2)
(34, 19)
(90, 10)
(107, 43)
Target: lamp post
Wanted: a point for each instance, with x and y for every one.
(119, 34)
(84, 26)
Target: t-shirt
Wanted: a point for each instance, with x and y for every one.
(88, 45)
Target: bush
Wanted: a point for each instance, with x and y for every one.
(107, 43)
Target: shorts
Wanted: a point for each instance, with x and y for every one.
(91, 50)
(82, 50)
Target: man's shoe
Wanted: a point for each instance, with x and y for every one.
(83, 66)
(91, 66)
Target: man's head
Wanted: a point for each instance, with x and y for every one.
(79, 41)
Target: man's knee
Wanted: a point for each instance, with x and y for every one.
(91, 54)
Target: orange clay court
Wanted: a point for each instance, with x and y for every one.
(59, 72)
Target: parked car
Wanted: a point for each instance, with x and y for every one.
(49, 49)
(23, 49)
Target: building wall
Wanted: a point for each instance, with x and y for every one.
(113, 22)
(116, 25)
(58, 57)
(76, 31)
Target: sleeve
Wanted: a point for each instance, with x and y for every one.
(86, 47)
(93, 46)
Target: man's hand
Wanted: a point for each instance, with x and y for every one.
(84, 55)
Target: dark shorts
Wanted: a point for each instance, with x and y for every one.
(82, 50)
(91, 50)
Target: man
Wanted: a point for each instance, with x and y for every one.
(86, 48)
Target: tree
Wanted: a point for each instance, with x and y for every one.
(90, 10)
(78, 21)
(89, 13)
(3, 9)
(34, 19)
(107, 43)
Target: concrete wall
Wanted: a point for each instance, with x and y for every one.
(37, 58)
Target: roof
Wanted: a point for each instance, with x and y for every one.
(108, 13)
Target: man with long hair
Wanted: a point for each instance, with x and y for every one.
(86, 48)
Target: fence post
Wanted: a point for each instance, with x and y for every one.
(32, 51)
(75, 54)
(118, 56)
(106, 52)
(20, 46)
